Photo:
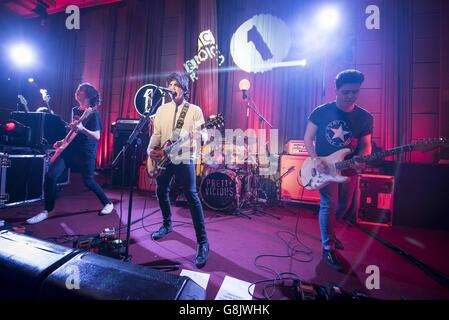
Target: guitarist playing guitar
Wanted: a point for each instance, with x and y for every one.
(334, 126)
(171, 121)
(79, 150)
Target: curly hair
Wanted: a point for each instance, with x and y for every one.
(91, 93)
(182, 80)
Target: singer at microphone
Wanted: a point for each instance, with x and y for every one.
(167, 90)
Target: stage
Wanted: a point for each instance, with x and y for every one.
(236, 242)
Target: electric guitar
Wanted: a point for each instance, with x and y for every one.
(312, 179)
(155, 168)
(23, 102)
(46, 98)
(71, 135)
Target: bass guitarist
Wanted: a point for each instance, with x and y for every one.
(173, 120)
(79, 155)
(334, 126)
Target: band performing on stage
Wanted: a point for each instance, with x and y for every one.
(224, 150)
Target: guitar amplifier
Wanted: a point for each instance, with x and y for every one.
(374, 199)
(290, 189)
(122, 129)
(45, 128)
(21, 179)
(296, 147)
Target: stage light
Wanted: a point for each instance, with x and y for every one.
(10, 126)
(244, 84)
(328, 18)
(30, 80)
(22, 55)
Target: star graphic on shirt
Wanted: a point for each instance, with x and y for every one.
(339, 133)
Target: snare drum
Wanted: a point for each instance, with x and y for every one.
(219, 190)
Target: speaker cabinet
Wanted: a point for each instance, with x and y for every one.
(36, 269)
(46, 128)
(104, 278)
(21, 178)
(291, 190)
(121, 134)
(374, 199)
(25, 262)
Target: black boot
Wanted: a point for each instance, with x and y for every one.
(331, 259)
(161, 232)
(338, 244)
(202, 255)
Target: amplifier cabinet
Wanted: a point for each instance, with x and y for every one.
(290, 188)
(374, 199)
(22, 179)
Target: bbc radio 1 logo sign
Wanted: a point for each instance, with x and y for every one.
(260, 42)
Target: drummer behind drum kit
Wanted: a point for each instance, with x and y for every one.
(230, 180)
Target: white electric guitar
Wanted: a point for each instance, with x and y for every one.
(46, 99)
(313, 179)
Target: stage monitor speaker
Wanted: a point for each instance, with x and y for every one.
(291, 190)
(104, 278)
(36, 269)
(25, 262)
(46, 128)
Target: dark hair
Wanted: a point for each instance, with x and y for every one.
(91, 93)
(182, 80)
(349, 76)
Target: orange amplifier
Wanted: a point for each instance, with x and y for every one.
(290, 188)
(296, 148)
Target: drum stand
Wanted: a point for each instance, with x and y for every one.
(249, 202)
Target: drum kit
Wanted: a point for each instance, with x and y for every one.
(230, 180)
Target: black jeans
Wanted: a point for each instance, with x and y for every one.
(185, 176)
(57, 168)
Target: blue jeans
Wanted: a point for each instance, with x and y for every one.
(335, 202)
(57, 168)
(185, 176)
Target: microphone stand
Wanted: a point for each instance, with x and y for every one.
(250, 105)
(135, 142)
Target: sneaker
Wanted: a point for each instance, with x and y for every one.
(339, 245)
(331, 259)
(161, 232)
(38, 218)
(107, 209)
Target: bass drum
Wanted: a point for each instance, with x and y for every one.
(219, 190)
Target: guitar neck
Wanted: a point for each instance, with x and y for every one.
(48, 107)
(185, 138)
(345, 164)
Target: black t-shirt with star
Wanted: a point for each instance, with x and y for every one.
(338, 129)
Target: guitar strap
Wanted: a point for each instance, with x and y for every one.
(180, 122)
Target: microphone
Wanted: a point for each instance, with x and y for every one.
(167, 90)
